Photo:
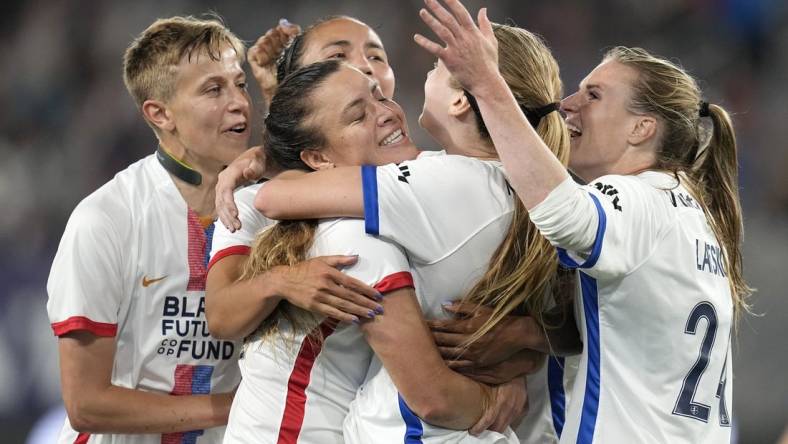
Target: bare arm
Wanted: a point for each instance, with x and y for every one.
(235, 308)
(94, 405)
(434, 392)
(334, 192)
(471, 55)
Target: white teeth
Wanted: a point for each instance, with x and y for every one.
(239, 128)
(573, 130)
(394, 137)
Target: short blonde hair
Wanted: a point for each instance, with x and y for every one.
(150, 62)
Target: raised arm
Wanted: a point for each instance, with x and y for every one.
(471, 55)
(94, 405)
(335, 192)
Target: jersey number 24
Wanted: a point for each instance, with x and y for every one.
(686, 405)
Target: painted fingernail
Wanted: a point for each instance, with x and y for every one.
(284, 22)
(379, 309)
(447, 303)
(379, 297)
(370, 314)
(356, 321)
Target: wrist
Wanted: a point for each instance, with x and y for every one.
(492, 89)
(272, 283)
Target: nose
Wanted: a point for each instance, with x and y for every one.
(239, 101)
(386, 114)
(361, 63)
(569, 103)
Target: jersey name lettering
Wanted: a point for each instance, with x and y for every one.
(609, 190)
(709, 258)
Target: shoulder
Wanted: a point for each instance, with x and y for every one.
(643, 190)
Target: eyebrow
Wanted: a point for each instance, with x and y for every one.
(367, 45)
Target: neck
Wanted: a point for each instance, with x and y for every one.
(198, 194)
(466, 141)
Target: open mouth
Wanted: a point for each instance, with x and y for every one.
(573, 131)
(395, 137)
(237, 129)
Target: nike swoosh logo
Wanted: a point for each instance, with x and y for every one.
(146, 281)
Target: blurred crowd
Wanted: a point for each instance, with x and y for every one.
(68, 125)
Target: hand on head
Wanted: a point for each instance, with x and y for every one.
(262, 56)
(470, 52)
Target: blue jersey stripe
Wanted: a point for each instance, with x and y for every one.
(413, 427)
(567, 261)
(209, 243)
(591, 398)
(555, 386)
(369, 185)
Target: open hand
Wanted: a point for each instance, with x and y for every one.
(470, 52)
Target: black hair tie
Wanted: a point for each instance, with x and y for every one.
(704, 109)
(534, 115)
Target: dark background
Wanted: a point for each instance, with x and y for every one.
(67, 125)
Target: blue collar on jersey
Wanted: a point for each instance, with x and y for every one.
(178, 168)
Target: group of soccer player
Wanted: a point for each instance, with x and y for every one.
(370, 292)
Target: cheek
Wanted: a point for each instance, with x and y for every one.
(385, 77)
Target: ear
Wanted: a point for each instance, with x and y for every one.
(460, 105)
(158, 115)
(316, 160)
(644, 130)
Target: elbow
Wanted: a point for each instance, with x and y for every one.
(81, 415)
(435, 411)
(220, 330)
(436, 407)
(264, 203)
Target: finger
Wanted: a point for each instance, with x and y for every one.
(254, 171)
(428, 45)
(452, 352)
(332, 312)
(444, 16)
(460, 365)
(345, 306)
(460, 13)
(357, 287)
(483, 423)
(467, 308)
(337, 261)
(448, 339)
(437, 27)
(359, 304)
(485, 26)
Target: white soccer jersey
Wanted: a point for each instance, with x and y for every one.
(548, 391)
(655, 314)
(226, 243)
(450, 213)
(132, 264)
(295, 388)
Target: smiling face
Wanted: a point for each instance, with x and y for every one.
(600, 121)
(209, 111)
(353, 42)
(359, 125)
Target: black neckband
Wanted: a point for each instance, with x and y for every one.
(177, 168)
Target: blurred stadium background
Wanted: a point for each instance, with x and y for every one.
(67, 125)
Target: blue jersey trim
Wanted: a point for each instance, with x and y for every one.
(567, 261)
(209, 243)
(591, 398)
(413, 427)
(555, 386)
(369, 185)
